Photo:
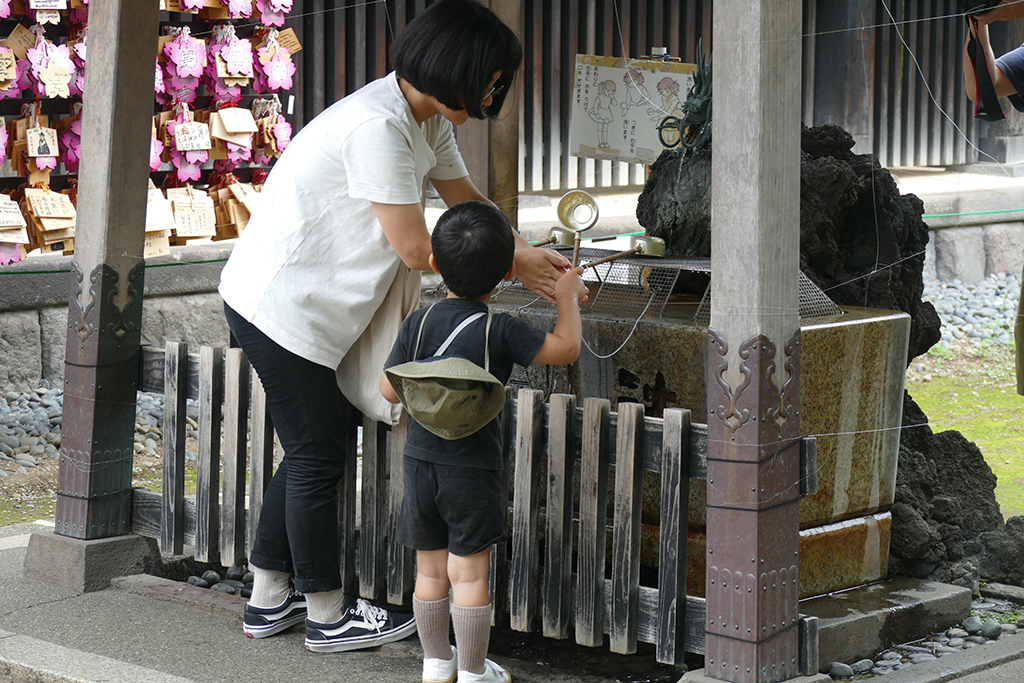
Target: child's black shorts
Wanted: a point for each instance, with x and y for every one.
(458, 508)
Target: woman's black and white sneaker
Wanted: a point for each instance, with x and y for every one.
(261, 622)
(361, 625)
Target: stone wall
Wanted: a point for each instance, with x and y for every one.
(974, 232)
(970, 253)
(180, 303)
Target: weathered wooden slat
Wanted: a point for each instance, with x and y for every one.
(147, 515)
(558, 537)
(626, 528)
(175, 368)
(497, 574)
(400, 560)
(647, 618)
(211, 402)
(236, 418)
(261, 458)
(372, 551)
(346, 499)
(651, 456)
(523, 593)
(899, 68)
(673, 531)
(593, 513)
(151, 372)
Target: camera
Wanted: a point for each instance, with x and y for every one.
(978, 7)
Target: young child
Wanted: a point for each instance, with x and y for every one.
(452, 512)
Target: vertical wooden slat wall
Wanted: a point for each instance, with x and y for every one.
(345, 45)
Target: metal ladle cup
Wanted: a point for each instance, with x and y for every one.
(577, 211)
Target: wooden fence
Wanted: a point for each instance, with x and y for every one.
(550, 576)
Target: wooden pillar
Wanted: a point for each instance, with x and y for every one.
(105, 303)
(753, 344)
(491, 148)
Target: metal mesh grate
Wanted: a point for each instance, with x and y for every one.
(636, 286)
(627, 288)
(815, 306)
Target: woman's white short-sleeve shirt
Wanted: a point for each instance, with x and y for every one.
(313, 264)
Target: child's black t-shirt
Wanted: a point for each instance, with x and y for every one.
(512, 340)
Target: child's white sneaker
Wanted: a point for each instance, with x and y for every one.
(440, 670)
(492, 674)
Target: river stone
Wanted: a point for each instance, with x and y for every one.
(211, 577)
(972, 625)
(862, 666)
(840, 670)
(991, 629)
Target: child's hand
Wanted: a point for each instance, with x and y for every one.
(571, 284)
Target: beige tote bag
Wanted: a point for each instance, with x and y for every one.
(360, 371)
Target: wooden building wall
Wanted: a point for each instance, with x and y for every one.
(889, 72)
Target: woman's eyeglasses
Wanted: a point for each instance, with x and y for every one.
(494, 92)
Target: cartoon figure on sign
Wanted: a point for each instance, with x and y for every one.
(668, 88)
(637, 94)
(43, 148)
(602, 110)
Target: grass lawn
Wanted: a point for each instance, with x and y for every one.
(973, 390)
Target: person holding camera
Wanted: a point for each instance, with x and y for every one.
(1006, 72)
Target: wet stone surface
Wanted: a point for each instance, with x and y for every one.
(953, 639)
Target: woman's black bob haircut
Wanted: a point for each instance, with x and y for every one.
(473, 247)
(451, 52)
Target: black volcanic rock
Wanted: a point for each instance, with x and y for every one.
(861, 241)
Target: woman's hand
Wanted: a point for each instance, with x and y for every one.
(539, 269)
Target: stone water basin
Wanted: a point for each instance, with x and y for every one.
(851, 393)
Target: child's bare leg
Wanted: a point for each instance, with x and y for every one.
(471, 613)
(430, 603)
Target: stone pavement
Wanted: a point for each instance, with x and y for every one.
(150, 630)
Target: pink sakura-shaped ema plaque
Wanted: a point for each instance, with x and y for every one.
(187, 171)
(14, 87)
(55, 81)
(268, 15)
(238, 9)
(191, 5)
(45, 163)
(187, 55)
(279, 71)
(5, 9)
(3, 144)
(156, 152)
(237, 54)
(71, 142)
(282, 133)
(80, 49)
(158, 80)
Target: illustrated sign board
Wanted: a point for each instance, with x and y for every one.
(619, 107)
